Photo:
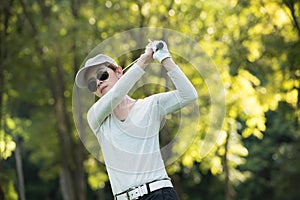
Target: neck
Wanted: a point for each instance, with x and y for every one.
(123, 109)
(126, 100)
(125, 104)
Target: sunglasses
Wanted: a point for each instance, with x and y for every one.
(101, 75)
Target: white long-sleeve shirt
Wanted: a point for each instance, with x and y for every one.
(131, 148)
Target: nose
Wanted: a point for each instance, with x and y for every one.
(99, 82)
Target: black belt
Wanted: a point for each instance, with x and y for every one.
(137, 192)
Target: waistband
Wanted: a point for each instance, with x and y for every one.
(137, 192)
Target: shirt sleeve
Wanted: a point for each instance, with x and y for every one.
(184, 94)
(105, 105)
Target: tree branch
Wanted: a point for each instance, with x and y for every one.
(291, 6)
(27, 15)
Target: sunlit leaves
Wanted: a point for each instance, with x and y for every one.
(243, 103)
(13, 128)
(7, 145)
(253, 44)
(292, 97)
(9, 189)
(216, 165)
(96, 175)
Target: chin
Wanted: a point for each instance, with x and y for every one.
(98, 95)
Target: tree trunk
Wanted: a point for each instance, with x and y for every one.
(20, 175)
(72, 152)
(229, 192)
(101, 194)
(80, 179)
(72, 179)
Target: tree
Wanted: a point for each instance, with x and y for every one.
(254, 44)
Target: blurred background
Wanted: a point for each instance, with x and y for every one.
(254, 44)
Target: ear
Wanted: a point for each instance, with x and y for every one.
(119, 71)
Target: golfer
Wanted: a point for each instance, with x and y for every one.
(127, 129)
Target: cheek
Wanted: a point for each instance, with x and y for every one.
(113, 79)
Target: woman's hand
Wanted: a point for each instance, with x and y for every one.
(161, 54)
(160, 50)
(146, 57)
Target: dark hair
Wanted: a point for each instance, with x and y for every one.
(112, 66)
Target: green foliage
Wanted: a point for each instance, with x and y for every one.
(273, 160)
(97, 178)
(7, 145)
(254, 44)
(8, 180)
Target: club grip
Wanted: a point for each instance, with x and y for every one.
(159, 46)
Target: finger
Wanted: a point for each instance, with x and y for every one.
(148, 49)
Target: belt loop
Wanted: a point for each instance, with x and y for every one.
(148, 187)
(127, 194)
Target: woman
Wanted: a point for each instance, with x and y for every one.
(128, 129)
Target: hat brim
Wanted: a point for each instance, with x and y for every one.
(80, 76)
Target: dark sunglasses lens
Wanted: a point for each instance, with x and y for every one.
(102, 75)
(92, 85)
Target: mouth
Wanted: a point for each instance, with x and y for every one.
(102, 89)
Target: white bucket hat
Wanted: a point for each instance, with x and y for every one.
(97, 60)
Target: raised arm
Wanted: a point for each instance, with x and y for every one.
(185, 92)
(105, 105)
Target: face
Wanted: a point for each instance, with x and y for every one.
(106, 82)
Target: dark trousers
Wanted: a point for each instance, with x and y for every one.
(161, 194)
